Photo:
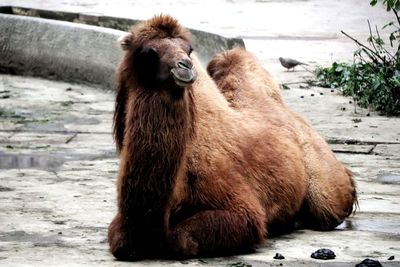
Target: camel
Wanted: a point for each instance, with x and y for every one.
(203, 176)
(249, 88)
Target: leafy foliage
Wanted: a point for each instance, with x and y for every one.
(369, 86)
(373, 79)
(390, 4)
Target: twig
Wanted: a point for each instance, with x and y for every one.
(371, 37)
(397, 15)
(381, 46)
(397, 54)
(361, 58)
(363, 46)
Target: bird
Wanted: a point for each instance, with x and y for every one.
(290, 63)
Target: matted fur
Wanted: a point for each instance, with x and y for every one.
(200, 175)
(249, 88)
(157, 27)
(223, 68)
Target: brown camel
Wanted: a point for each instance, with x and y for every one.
(250, 89)
(200, 176)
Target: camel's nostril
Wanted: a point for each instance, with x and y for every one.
(184, 64)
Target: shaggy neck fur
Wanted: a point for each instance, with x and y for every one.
(159, 131)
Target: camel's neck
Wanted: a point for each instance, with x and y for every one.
(158, 133)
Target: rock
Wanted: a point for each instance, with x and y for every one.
(279, 256)
(391, 258)
(323, 254)
(369, 263)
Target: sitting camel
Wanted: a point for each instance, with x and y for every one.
(250, 89)
(200, 175)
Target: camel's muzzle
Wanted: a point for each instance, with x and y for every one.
(184, 73)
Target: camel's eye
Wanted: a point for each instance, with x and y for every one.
(146, 63)
(148, 58)
(190, 50)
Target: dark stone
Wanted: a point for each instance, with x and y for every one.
(302, 96)
(312, 94)
(391, 258)
(279, 256)
(323, 254)
(5, 189)
(239, 264)
(369, 263)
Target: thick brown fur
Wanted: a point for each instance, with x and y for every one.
(200, 175)
(250, 89)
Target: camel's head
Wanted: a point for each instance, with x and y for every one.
(159, 52)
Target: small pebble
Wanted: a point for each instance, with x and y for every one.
(369, 263)
(332, 91)
(279, 256)
(321, 93)
(368, 114)
(391, 258)
(302, 96)
(312, 94)
(350, 102)
(343, 109)
(323, 254)
(60, 233)
(68, 89)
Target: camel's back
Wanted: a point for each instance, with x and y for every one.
(252, 91)
(247, 151)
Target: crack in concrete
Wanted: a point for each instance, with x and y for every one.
(71, 138)
(358, 142)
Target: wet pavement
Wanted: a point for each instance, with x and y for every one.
(58, 168)
(58, 163)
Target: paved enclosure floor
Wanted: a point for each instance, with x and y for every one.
(58, 161)
(58, 170)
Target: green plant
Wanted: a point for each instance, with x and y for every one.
(390, 4)
(373, 79)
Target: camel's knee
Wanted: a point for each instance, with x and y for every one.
(328, 204)
(216, 232)
(120, 245)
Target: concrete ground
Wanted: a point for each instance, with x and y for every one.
(58, 162)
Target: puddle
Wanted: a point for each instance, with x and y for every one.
(38, 240)
(42, 162)
(388, 178)
(46, 162)
(45, 127)
(382, 225)
(5, 189)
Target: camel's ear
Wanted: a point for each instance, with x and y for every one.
(125, 41)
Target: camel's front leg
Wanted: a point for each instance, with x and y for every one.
(123, 244)
(216, 232)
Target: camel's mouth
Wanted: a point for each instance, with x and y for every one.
(183, 75)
